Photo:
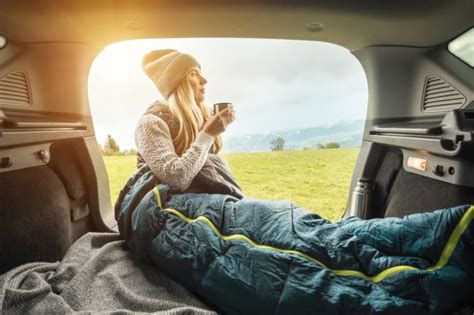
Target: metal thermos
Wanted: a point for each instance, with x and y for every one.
(361, 197)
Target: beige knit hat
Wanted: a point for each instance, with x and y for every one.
(167, 67)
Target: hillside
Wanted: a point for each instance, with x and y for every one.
(347, 134)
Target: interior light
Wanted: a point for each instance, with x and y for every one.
(3, 41)
(314, 27)
(463, 47)
(416, 163)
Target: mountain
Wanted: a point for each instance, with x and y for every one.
(346, 133)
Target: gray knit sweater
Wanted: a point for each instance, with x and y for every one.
(154, 143)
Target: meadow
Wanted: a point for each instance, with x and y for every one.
(317, 180)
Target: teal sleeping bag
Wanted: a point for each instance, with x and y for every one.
(273, 257)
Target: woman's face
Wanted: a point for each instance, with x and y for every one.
(197, 82)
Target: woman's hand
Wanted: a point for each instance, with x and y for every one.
(218, 123)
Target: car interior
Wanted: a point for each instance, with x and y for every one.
(417, 150)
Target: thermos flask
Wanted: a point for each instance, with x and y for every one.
(360, 201)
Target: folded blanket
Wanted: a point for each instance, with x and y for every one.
(265, 257)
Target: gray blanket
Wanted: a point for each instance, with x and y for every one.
(96, 275)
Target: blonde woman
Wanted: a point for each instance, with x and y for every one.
(177, 137)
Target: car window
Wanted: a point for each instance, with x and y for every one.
(300, 109)
(463, 47)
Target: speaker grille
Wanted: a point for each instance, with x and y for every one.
(439, 95)
(15, 89)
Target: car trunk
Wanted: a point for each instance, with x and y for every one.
(53, 181)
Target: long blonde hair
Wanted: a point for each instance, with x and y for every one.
(191, 117)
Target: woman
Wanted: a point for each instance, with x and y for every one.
(177, 138)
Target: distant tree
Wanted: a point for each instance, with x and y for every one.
(332, 145)
(111, 146)
(277, 144)
(130, 152)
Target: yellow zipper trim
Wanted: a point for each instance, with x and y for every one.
(157, 197)
(462, 225)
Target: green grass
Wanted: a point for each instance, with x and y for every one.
(317, 180)
(119, 169)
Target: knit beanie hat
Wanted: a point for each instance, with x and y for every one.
(167, 67)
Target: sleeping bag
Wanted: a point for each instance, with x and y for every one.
(273, 257)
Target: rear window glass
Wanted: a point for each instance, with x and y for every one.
(300, 109)
(463, 47)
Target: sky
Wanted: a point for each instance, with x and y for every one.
(273, 84)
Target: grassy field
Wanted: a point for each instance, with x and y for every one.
(317, 180)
